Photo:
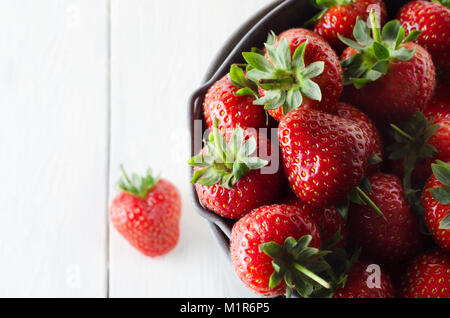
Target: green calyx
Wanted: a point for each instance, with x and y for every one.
(375, 52)
(411, 144)
(225, 164)
(137, 185)
(285, 79)
(298, 265)
(324, 5)
(359, 195)
(238, 79)
(445, 3)
(441, 171)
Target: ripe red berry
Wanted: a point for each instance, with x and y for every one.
(433, 19)
(357, 285)
(324, 156)
(428, 276)
(339, 17)
(274, 247)
(147, 213)
(228, 177)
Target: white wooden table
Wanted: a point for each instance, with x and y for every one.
(84, 86)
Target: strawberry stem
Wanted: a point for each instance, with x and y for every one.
(375, 29)
(369, 202)
(402, 132)
(311, 275)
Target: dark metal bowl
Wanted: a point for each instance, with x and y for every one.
(279, 16)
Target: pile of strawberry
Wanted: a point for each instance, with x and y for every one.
(360, 206)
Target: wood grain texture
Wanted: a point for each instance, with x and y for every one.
(53, 107)
(160, 52)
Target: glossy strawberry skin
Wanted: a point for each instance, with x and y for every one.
(428, 276)
(330, 81)
(328, 220)
(266, 224)
(435, 212)
(403, 91)
(434, 20)
(222, 104)
(356, 285)
(387, 241)
(324, 156)
(252, 191)
(341, 19)
(347, 111)
(151, 225)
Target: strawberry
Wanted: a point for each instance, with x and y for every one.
(228, 179)
(331, 224)
(434, 20)
(232, 105)
(324, 156)
(147, 213)
(436, 201)
(387, 76)
(428, 276)
(393, 238)
(347, 111)
(275, 249)
(357, 283)
(299, 70)
(339, 17)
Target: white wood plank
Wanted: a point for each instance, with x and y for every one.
(53, 133)
(160, 52)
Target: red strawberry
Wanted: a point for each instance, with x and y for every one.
(300, 70)
(328, 219)
(392, 78)
(224, 102)
(147, 213)
(324, 156)
(347, 111)
(434, 20)
(275, 247)
(428, 276)
(391, 239)
(339, 17)
(357, 284)
(228, 179)
(436, 201)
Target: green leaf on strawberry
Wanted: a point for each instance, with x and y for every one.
(376, 52)
(238, 79)
(298, 264)
(137, 185)
(287, 80)
(411, 144)
(226, 163)
(441, 171)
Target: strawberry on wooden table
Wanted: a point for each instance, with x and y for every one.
(299, 70)
(230, 101)
(387, 75)
(276, 249)
(147, 213)
(356, 285)
(433, 18)
(428, 276)
(339, 17)
(391, 239)
(228, 177)
(436, 201)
